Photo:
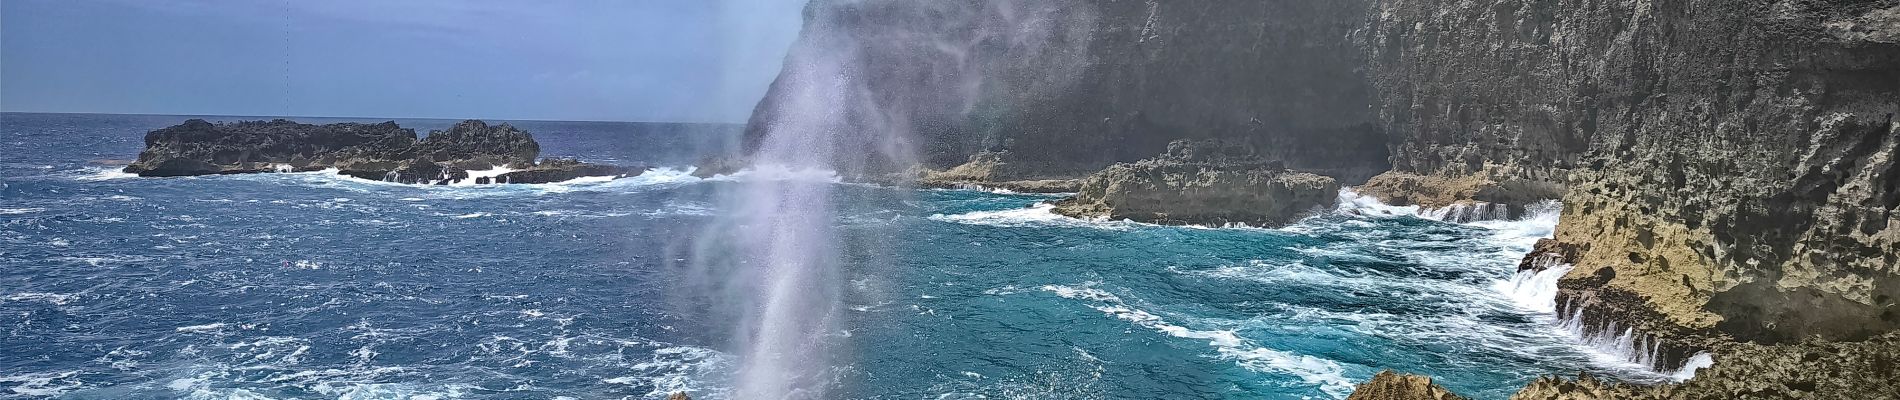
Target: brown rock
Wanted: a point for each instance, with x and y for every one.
(1189, 185)
(1388, 385)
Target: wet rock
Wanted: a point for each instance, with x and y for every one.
(1455, 197)
(1388, 385)
(711, 166)
(1813, 368)
(990, 171)
(1201, 182)
(564, 169)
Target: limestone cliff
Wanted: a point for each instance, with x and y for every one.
(1739, 179)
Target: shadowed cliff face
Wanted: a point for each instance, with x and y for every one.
(1068, 87)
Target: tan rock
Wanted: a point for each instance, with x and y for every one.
(1388, 385)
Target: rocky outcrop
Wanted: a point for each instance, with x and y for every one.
(1388, 385)
(992, 170)
(384, 151)
(1811, 369)
(1201, 182)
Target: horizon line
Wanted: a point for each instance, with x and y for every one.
(370, 118)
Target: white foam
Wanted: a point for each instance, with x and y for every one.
(96, 174)
(1696, 362)
(773, 172)
(23, 210)
(1319, 371)
(1039, 214)
(202, 328)
(43, 384)
(471, 215)
(1535, 290)
(493, 173)
(1353, 203)
(49, 298)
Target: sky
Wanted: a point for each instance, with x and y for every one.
(607, 60)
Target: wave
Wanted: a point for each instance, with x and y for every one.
(1327, 375)
(43, 384)
(96, 174)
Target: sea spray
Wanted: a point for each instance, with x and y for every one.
(771, 264)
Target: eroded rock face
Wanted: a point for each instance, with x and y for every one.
(1201, 182)
(1728, 166)
(382, 151)
(1388, 385)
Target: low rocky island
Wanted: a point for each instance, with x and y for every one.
(472, 151)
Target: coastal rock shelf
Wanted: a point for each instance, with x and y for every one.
(1201, 182)
(471, 151)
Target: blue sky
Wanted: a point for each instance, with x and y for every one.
(629, 60)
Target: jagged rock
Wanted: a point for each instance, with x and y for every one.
(679, 396)
(1461, 197)
(563, 169)
(1388, 385)
(384, 151)
(711, 166)
(197, 147)
(1813, 368)
(1193, 184)
(989, 170)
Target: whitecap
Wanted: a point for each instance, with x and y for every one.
(23, 210)
(202, 328)
(96, 174)
(43, 384)
(1328, 375)
(49, 298)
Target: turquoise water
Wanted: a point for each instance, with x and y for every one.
(312, 285)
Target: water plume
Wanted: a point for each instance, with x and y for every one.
(771, 265)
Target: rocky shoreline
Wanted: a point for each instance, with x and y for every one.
(1727, 170)
(471, 151)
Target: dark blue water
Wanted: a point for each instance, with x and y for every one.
(312, 285)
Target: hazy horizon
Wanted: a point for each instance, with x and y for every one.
(656, 61)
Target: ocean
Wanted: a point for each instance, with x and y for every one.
(314, 285)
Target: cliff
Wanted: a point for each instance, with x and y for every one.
(1735, 181)
(1063, 88)
(382, 151)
